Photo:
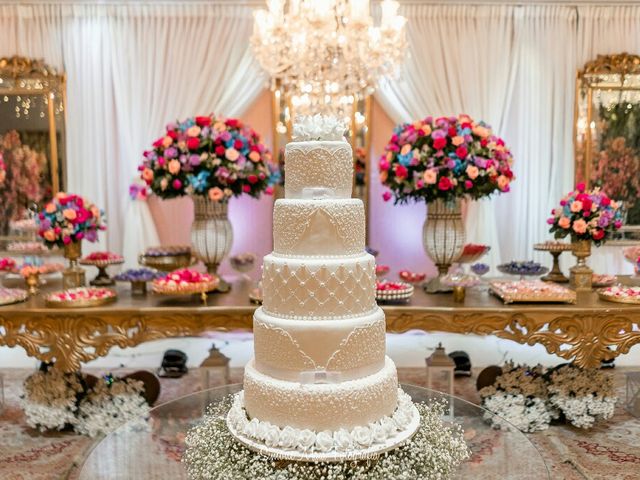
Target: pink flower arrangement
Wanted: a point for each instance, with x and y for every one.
(69, 218)
(446, 157)
(586, 215)
(208, 156)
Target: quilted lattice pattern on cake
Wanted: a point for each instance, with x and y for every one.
(318, 289)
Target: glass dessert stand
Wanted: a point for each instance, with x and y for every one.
(154, 448)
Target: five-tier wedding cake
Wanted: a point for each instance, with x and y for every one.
(320, 385)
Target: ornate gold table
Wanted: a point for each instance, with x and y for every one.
(588, 332)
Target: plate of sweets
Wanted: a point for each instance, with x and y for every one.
(412, 277)
(185, 281)
(531, 291)
(620, 294)
(523, 269)
(7, 265)
(167, 258)
(382, 270)
(27, 248)
(602, 280)
(387, 291)
(472, 252)
(81, 297)
(12, 295)
(102, 259)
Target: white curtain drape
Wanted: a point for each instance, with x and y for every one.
(130, 69)
(514, 67)
(446, 73)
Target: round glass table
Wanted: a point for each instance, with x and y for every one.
(152, 448)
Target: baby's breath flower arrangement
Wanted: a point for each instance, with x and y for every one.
(51, 399)
(54, 400)
(583, 396)
(518, 395)
(110, 404)
(433, 453)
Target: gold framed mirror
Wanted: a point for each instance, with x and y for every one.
(607, 132)
(358, 135)
(32, 133)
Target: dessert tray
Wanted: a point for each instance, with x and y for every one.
(620, 294)
(102, 259)
(7, 264)
(81, 298)
(552, 247)
(598, 280)
(471, 253)
(12, 295)
(27, 248)
(185, 282)
(387, 291)
(167, 258)
(531, 291)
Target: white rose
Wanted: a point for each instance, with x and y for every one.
(362, 436)
(272, 436)
(324, 441)
(379, 434)
(263, 428)
(389, 426)
(251, 428)
(402, 419)
(287, 437)
(342, 439)
(306, 439)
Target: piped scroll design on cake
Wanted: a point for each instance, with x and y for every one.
(292, 223)
(318, 127)
(323, 165)
(319, 292)
(359, 348)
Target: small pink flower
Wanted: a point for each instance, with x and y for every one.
(580, 226)
(564, 222)
(232, 154)
(386, 196)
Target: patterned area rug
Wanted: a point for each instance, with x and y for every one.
(609, 451)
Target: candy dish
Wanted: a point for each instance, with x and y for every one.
(598, 280)
(243, 262)
(531, 291)
(527, 268)
(387, 291)
(382, 270)
(555, 249)
(620, 294)
(27, 248)
(411, 277)
(80, 297)
(472, 253)
(138, 278)
(9, 296)
(7, 264)
(551, 246)
(480, 268)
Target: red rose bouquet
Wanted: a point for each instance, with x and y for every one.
(208, 156)
(445, 158)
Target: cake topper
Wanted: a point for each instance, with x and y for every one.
(318, 127)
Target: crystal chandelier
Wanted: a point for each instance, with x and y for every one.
(325, 54)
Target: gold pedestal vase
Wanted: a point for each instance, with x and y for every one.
(443, 238)
(211, 234)
(73, 276)
(580, 274)
(32, 281)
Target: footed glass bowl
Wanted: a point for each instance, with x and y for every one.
(154, 448)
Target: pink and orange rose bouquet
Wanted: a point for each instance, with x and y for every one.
(69, 218)
(445, 158)
(586, 215)
(208, 156)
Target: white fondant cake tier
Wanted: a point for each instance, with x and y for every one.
(318, 407)
(322, 288)
(303, 350)
(333, 227)
(318, 166)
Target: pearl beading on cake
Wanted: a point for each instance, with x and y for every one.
(307, 440)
